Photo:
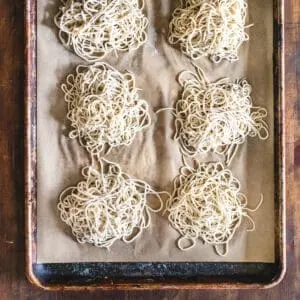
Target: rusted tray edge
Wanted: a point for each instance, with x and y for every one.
(31, 160)
(29, 138)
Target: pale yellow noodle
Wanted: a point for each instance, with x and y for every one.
(216, 117)
(207, 204)
(107, 205)
(104, 107)
(95, 28)
(213, 28)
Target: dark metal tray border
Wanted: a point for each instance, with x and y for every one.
(145, 275)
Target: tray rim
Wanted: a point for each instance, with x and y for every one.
(30, 150)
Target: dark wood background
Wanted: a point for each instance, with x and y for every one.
(13, 284)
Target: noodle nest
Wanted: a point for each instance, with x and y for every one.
(213, 28)
(216, 117)
(207, 204)
(104, 107)
(95, 28)
(107, 206)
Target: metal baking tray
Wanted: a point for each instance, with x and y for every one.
(147, 275)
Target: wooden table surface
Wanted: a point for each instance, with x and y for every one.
(13, 284)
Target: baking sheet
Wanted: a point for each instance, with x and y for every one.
(153, 156)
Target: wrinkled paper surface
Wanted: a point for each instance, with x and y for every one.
(153, 156)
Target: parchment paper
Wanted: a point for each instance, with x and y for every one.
(153, 156)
